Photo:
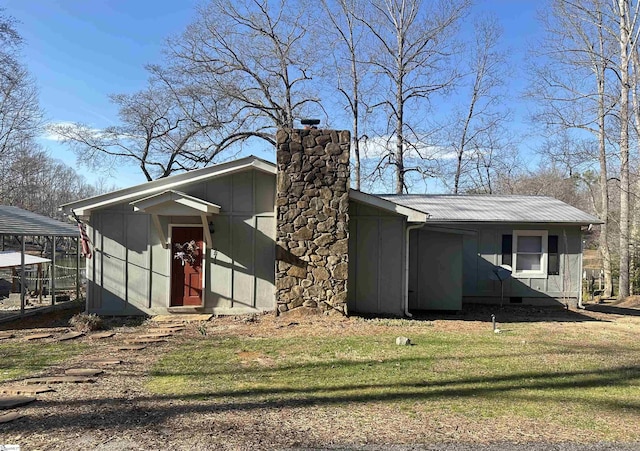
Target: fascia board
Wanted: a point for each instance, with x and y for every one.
(85, 207)
(157, 202)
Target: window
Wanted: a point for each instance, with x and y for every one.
(530, 253)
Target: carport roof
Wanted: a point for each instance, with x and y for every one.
(16, 221)
(10, 259)
(493, 208)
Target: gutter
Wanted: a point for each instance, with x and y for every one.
(406, 269)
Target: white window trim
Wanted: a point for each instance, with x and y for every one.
(528, 274)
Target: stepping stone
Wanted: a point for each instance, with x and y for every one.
(87, 372)
(36, 336)
(11, 416)
(6, 335)
(59, 380)
(104, 362)
(24, 390)
(101, 335)
(140, 340)
(186, 317)
(9, 402)
(166, 330)
(163, 319)
(158, 335)
(173, 326)
(70, 336)
(131, 348)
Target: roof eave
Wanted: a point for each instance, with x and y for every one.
(513, 221)
(171, 196)
(85, 206)
(412, 215)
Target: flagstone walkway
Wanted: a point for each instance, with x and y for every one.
(16, 394)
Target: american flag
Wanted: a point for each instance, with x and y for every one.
(84, 238)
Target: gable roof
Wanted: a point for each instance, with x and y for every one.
(177, 199)
(493, 208)
(416, 207)
(16, 221)
(85, 206)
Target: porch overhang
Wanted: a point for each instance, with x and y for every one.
(176, 203)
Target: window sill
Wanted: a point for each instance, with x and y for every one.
(529, 275)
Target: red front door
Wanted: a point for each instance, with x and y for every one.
(186, 275)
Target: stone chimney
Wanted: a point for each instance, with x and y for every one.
(312, 234)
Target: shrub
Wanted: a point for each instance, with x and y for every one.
(85, 322)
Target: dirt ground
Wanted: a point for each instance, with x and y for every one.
(117, 413)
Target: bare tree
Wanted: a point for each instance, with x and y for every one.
(628, 15)
(41, 184)
(635, 224)
(411, 55)
(576, 87)
(162, 130)
(498, 158)
(623, 114)
(240, 70)
(350, 74)
(476, 130)
(254, 54)
(20, 114)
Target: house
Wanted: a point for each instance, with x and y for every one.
(249, 236)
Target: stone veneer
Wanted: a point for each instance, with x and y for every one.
(312, 232)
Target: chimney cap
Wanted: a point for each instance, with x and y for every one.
(309, 121)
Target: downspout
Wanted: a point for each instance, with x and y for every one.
(580, 306)
(406, 269)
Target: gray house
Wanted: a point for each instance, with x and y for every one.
(250, 236)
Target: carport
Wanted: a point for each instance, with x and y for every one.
(20, 224)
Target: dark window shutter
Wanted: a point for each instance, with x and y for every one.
(507, 249)
(554, 256)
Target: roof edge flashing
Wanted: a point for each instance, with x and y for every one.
(412, 215)
(147, 189)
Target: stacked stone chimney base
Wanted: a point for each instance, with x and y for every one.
(312, 203)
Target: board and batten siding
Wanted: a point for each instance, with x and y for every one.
(482, 250)
(119, 272)
(130, 272)
(376, 260)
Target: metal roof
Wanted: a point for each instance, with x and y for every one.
(16, 221)
(9, 259)
(412, 214)
(493, 208)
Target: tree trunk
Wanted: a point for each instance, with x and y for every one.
(356, 120)
(603, 246)
(624, 149)
(399, 153)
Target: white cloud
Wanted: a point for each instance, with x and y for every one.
(50, 133)
(377, 147)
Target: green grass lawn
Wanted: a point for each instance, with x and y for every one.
(21, 359)
(569, 374)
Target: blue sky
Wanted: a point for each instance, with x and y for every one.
(80, 51)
